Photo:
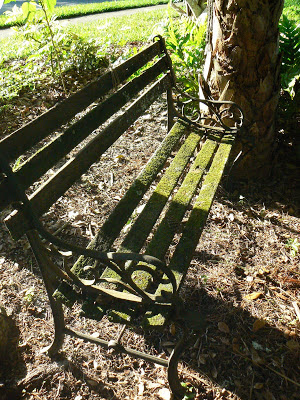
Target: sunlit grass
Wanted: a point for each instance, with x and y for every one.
(121, 30)
(87, 9)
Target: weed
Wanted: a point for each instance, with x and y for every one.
(293, 245)
(29, 295)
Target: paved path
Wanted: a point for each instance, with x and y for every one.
(94, 17)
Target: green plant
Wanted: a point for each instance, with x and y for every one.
(29, 295)
(293, 245)
(186, 42)
(48, 51)
(290, 49)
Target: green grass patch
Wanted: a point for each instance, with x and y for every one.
(121, 30)
(87, 9)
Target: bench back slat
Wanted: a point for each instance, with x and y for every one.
(26, 137)
(57, 185)
(50, 154)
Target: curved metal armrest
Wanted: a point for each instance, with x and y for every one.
(219, 110)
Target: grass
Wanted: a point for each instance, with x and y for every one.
(87, 9)
(121, 30)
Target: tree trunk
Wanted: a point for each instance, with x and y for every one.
(242, 65)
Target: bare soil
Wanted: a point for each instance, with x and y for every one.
(244, 280)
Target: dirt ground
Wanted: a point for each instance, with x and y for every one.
(244, 279)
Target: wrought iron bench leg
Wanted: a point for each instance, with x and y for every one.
(173, 378)
(56, 307)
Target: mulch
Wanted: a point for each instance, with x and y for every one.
(244, 280)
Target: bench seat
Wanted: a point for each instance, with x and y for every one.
(169, 207)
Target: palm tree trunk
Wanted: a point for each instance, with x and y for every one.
(242, 65)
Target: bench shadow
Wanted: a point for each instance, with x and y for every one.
(236, 353)
(253, 364)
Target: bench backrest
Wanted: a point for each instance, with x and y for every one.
(116, 94)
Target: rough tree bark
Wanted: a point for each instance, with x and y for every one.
(243, 65)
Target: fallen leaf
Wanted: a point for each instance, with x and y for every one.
(258, 324)
(256, 357)
(223, 327)
(141, 389)
(202, 359)
(258, 386)
(164, 394)
(231, 217)
(268, 395)
(172, 329)
(214, 372)
(253, 296)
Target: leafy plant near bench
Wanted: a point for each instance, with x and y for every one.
(186, 42)
(290, 49)
(53, 52)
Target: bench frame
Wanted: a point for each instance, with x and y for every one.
(29, 223)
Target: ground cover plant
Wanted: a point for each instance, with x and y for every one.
(244, 277)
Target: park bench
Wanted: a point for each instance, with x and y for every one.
(133, 286)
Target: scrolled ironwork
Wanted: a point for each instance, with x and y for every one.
(221, 114)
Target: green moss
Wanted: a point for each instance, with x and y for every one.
(119, 317)
(153, 320)
(184, 251)
(146, 220)
(178, 206)
(66, 294)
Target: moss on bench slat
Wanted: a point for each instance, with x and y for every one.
(181, 200)
(143, 225)
(195, 224)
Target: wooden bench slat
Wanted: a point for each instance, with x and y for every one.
(141, 228)
(50, 154)
(26, 137)
(166, 230)
(184, 250)
(56, 186)
(180, 202)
